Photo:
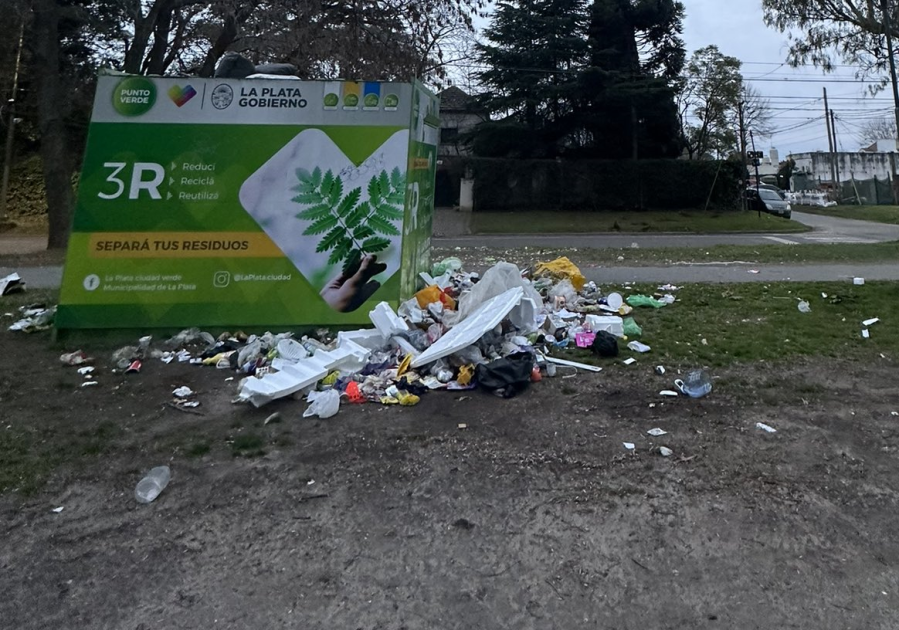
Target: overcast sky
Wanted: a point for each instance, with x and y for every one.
(736, 27)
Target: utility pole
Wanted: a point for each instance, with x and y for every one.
(755, 162)
(830, 143)
(11, 127)
(836, 146)
(888, 31)
(742, 153)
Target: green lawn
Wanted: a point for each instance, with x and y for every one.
(744, 323)
(695, 222)
(645, 257)
(878, 214)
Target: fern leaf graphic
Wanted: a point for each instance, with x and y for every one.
(351, 229)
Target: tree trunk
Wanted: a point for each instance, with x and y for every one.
(57, 162)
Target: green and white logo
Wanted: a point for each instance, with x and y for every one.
(331, 100)
(391, 101)
(351, 100)
(134, 96)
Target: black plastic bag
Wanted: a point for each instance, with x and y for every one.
(605, 344)
(509, 376)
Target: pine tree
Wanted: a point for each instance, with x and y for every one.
(536, 48)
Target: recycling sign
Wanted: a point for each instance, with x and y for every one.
(219, 202)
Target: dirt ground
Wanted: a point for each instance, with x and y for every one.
(534, 516)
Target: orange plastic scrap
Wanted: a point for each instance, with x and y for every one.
(465, 374)
(432, 294)
(353, 393)
(561, 268)
(428, 295)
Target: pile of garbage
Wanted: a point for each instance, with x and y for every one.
(498, 332)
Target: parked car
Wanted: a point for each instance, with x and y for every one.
(768, 200)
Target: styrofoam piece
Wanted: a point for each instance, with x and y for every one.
(292, 377)
(386, 320)
(870, 322)
(369, 338)
(404, 345)
(614, 300)
(609, 323)
(574, 364)
(483, 319)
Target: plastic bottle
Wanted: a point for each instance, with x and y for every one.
(695, 384)
(153, 484)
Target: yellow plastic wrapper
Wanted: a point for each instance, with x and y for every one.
(331, 378)
(406, 399)
(404, 365)
(465, 374)
(389, 400)
(217, 358)
(561, 268)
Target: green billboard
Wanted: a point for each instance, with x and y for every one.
(218, 202)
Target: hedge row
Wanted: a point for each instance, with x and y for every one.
(596, 185)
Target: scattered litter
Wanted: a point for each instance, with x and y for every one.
(866, 334)
(183, 392)
(695, 384)
(894, 413)
(574, 364)
(636, 346)
(462, 426)
(153, 484)
(584, 339)
(75, 358)
(11, 284)
(764, 427)
(134, 368)
(870, 322)
(275, 417)
(660, 370)
(804, 307)
(664, 451)
(755, 271)
(629, 446)
(34, 319)
(84, 371)
(858, 281)
(58, 509)
(323, 404)
(629, 361)
(89, 383)
(657, 432)
(669, 393)
(644, 300)
(669, 288)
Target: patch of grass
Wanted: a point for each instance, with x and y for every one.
(744, 323)
(248, 445)
(29, 454)
(689, 222)
(198, 449)
(878, 214)
(476, 258)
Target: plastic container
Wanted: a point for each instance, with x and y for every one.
(695, 384)
(153, 484)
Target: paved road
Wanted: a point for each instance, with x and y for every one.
(826, 230)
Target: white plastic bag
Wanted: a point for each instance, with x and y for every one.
(324, 404)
